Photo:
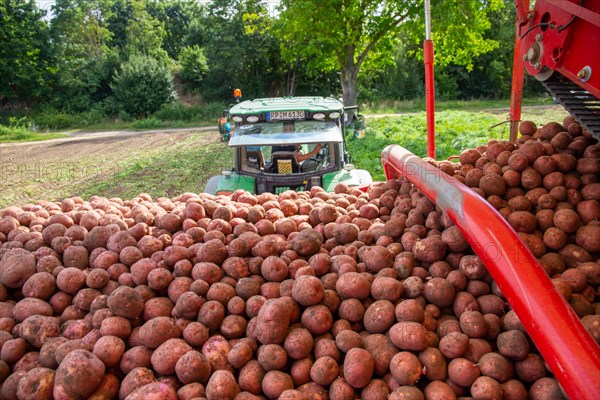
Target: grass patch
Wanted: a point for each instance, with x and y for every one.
(185, 167)
(405, 106)
(455, 131)
(10, 134)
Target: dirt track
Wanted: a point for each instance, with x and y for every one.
(44, 169)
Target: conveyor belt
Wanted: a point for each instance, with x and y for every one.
(577, 101)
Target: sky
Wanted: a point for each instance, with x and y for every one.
(44, 4)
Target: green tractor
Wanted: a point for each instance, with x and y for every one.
(288, 143)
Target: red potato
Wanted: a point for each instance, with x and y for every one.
(317, 319)
(377, 258)
(165, 357)
(307, 242)
(240, 354)
(216, 349)
(496, 366)
(109, 349)
(435, 367)
(308, 290)
(439, 291)
(191, 391)
(408, 335)
(358, 367)
(135, 357)
(222, 386)
(376, 389)
(193, 366)
(386, 288)
(126, 302)
(379, 316)
(116, 326)
(154, 391)
(40, 285)
(12, 350)
(79, 374)
(298, 343)
(37, 329)
(353, 285)
(406, 368)
(10, 385)
(485, 387)
(324, 370)
(406, 392)
(272, 357)
(16, 267)
(272, 322)
(463, 372)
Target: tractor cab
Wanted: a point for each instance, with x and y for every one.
(288, 143)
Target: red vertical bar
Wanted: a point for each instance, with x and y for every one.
(429, 96)
(516, 94)
(518, 76)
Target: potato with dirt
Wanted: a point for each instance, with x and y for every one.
(165, 357)
(78, 375)
(358, 367)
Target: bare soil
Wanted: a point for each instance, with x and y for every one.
(54, 169)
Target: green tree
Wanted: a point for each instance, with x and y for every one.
(193, 65)
(240, 49)
(135, 30)
(145, 33)
(178, 16)
(85, 59)
(26, 58)
(142, 86)
(349, 34)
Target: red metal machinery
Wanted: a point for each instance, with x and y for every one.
(568, 349)
(428, 56)
(558, 42)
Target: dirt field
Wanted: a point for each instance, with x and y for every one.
(59, 168)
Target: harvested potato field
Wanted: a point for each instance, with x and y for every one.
(120, 164)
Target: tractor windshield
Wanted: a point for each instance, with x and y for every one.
(286, 132)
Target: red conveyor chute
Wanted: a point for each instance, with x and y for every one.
(568, 349)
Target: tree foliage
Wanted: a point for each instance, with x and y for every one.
(344, 34)
(240, 49)
(178, 18)
(193, 65)
(85, 59)
(142, 86)
(26, 62)
(363, 49)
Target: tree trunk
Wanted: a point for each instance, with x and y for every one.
(291, 76)
(290, 82)
(349, 91)
(349, 73)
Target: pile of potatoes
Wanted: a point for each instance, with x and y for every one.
(301, 295)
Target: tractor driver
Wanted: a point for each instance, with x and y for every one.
(289, 127)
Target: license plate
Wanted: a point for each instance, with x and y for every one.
(283, 115)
